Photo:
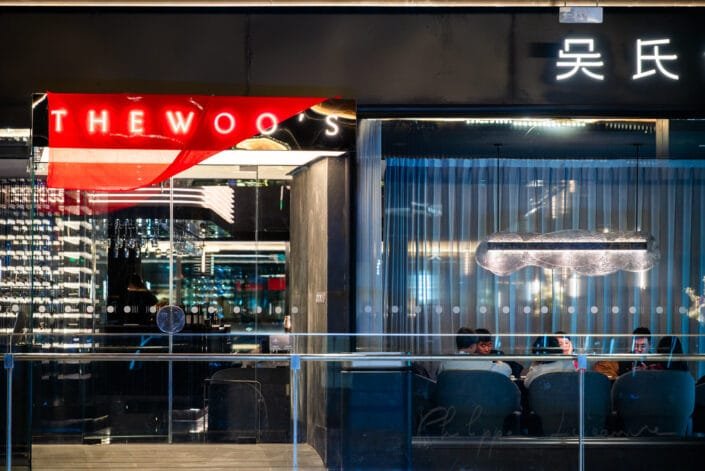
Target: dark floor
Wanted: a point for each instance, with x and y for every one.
(147, 457)
(549, 454)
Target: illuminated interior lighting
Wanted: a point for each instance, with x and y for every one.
(219, 199)
(574, 287)
(583, 252)
(267, 164)
(622, 124)
(15, 134)
(267, 157)
(47, 346)
(550, 123)
(214, 246)
(548, 245)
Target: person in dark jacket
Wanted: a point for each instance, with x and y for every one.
(670, 345)
(485, 346)
(139, 300)
(641, 344)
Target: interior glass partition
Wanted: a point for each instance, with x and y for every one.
(212, 242)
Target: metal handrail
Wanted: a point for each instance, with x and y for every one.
(324, 357)
(531, 335)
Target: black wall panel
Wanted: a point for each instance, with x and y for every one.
(380, 57)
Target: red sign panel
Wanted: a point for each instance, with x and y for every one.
(124, 141)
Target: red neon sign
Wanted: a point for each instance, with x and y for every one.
(179, 130)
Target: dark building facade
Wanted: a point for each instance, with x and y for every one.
(471, 122)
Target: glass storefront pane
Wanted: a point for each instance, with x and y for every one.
(220, 255)
(445, 193)
(454, 192)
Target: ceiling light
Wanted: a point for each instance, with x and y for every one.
(584, 252)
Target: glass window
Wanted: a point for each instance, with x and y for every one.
(449, 185)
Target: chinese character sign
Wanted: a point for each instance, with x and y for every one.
(579, 55)
(653, 57)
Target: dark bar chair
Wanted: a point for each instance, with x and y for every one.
(234, 408)
(554, 398)
(474, 403)
(699, 414)
(651, 403)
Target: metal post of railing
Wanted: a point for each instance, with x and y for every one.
(295, 367)
(9, 364)
(582, 366)
(170, 391)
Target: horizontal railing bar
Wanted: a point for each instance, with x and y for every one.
(514, 440)
(381, 357)
(347, 3)
(336, 335)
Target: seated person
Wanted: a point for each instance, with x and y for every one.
(640, 344)
(466, 343)
(564, 342)
(139, 299)
(566, 345)
(607, 368)
(484, 343)
(670, 345)
(546, 345)
(484, 347)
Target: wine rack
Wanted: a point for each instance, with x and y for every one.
(48, 280)
(47, 264)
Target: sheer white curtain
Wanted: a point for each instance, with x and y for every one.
(437, 210)
(369, 292)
